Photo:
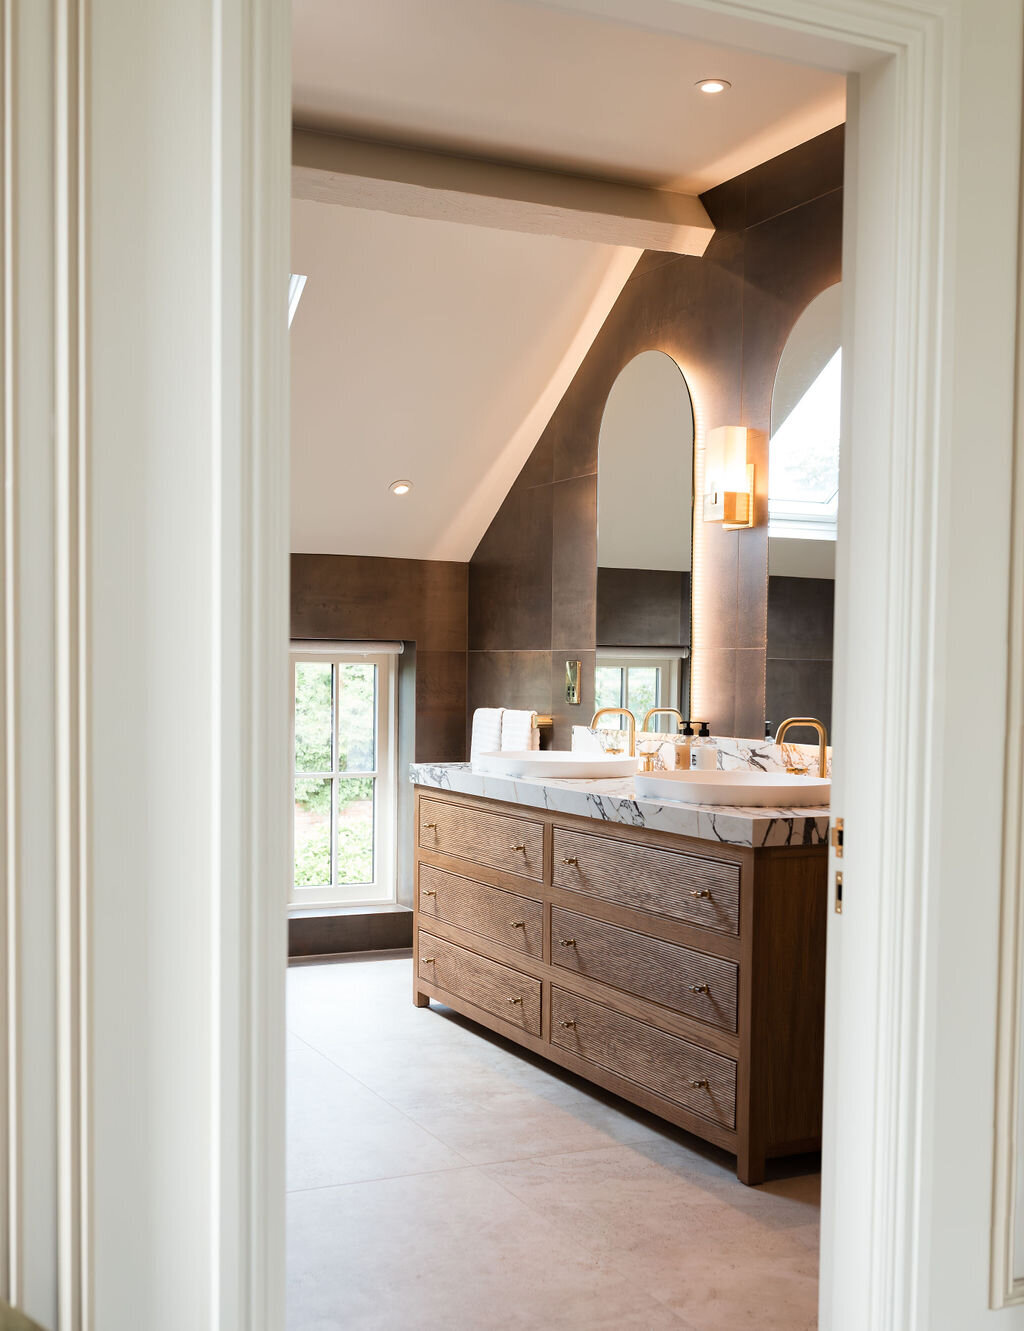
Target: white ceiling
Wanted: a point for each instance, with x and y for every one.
(428, 351)
(437, 351)
(526, 83)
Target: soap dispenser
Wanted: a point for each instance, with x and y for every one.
(684, 748)
(704, 754)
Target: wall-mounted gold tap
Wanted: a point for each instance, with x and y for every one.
(663, 711)
(618, 711)
(815, 724)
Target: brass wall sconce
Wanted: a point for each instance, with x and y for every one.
(728, 478)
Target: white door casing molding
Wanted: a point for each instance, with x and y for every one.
(1008, 1171)
(144, 647)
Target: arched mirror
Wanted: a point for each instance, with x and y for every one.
(803, 508)
(645, 508)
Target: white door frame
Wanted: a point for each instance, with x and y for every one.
(144, 643)
(144, 648)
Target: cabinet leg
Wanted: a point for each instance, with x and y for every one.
(420, 1000)
(750, 1166)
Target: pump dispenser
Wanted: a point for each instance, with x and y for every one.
(704, 753)
(684, 747)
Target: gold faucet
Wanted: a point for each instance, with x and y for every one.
(664, 711)
(618, 711)
(815, 724)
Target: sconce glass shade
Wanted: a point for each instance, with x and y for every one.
(728, 477)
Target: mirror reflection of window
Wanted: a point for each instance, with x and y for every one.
(804, 451)
(645, 505)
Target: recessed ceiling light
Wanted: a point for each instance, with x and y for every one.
(713, 85)
(400, 487)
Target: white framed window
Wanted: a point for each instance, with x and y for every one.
(638, 680)
(344, 778)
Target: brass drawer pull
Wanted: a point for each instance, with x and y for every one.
(430, 827)
(513, 1000)
(567, 942)
(571, 860)
(522, 848)
(518, 924)
(698, 989)
(429, 892)
(703, 894)
(701, 1084)
(568, 1025)
(427, 961)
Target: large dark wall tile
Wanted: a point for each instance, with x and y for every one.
(440, 706)
(574, 561)
(796, 178)
(356, 596)
(800, 617)
(799, 688)
(510, 575)
(510, 679)
(724, 318)
(643, 607)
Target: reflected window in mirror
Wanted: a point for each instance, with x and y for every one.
(638, 681)
(644, 538)
(804, 451)
(803, 508)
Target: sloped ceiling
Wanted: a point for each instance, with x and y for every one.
(433, 352)
(436, 351)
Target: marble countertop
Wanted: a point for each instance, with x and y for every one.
(614, 801)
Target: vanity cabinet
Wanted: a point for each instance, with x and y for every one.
(685, 975)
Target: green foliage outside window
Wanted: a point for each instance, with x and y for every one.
(354, 738)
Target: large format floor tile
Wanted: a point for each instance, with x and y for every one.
(441, 1177)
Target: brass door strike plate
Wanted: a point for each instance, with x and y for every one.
(572, 682)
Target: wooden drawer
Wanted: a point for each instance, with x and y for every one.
(495, 839)
(504, 916)
(667, 882)
(680, 1071)
(486, 984)
(677, 977)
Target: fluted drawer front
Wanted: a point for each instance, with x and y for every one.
(680, 1071)
(486, 984)
(495, 839)
(668, 882)
(507, 917)
(677, 977)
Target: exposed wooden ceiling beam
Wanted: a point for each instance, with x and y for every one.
(332, 169)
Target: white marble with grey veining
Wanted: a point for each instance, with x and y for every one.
(614, 801)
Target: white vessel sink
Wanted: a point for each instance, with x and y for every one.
(556, 763)
(777, 790)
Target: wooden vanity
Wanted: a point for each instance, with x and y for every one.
(685, 975)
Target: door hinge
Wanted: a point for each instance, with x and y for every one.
(839, 891)
(837, 838)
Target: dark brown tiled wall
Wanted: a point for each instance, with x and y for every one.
(643, 607)
(409, 600)
(800, 616)
(725, 319)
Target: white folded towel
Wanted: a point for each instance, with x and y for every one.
(486, 731)
(518, 731)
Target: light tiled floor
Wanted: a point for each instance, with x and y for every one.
(439, 1177)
